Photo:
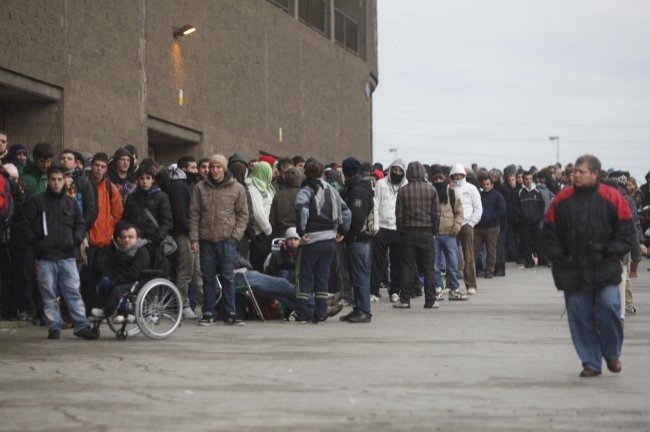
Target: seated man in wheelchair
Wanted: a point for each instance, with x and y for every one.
(128, 259)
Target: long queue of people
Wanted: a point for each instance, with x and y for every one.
(312, 238)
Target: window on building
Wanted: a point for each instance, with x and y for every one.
(346, 31)
(282, 4)
(312, 12)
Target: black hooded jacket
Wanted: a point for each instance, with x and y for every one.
(359, 197)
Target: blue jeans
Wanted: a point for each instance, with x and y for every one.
(595, 324)
(276, 288)
(218, 258)
(447, 252)
(314, 261)
(360, 265)
(61, 276)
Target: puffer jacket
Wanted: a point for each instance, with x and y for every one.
(587, 232)
(65, 226)
(386, 197)
(218, 211)
(283, 213)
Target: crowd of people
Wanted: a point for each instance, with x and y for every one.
(312, 237)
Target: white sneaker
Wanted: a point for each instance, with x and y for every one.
(394, 298)
(118, 319)
(438, 291)
(471, 291)
(374, 299)
(97, 313)
(130, 318)
(188, 313)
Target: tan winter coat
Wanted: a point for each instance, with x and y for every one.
(451, 219)
(218, 213)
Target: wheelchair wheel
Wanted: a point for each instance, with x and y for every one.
(158, 308)
(130, 330)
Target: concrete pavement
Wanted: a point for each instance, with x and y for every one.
(501, 361)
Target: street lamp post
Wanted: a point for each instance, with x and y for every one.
(393, 150)
(557, 147)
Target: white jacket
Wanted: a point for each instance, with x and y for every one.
(469, 196)
(261, 209)
(386, 199)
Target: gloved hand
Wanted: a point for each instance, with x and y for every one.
(105, 282)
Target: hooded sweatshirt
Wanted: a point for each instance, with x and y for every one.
(469, 196)
(386, 197)
(417, 205)
(283, 213)
(127, 264)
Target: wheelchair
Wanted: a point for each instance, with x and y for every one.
(153, 305)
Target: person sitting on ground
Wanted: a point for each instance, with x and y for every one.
(129, 258)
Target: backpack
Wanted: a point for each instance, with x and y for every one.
(6, 203)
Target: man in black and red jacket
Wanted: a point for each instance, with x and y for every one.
(587, 231)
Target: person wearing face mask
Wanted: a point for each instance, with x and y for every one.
(472, 211)
(386, 242)
(188, 266)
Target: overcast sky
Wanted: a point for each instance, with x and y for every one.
(491, 81)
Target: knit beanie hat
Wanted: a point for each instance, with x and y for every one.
(237, 157)
(437, 170)
(268, 159)
(219, 159)
(351, 167)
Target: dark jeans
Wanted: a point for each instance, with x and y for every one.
(340, 274)
(500, 266)
(385, 245)
(218, 258)
(359, 261)
(91, 274)
(418, 246)
(314, 261)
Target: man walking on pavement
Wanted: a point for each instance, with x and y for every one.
(586, 248)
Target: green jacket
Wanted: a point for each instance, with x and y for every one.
(34, 181)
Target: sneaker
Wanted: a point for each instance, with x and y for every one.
(438, 291)
(433, 305)
(316, 320)
(333, 310)
(457, 295)
(471, 291)
(347, 317)
(589, 373)
(97, 313)
(394, 298)
(118, 319)
(333, 299)
(360, 318)
(86, 333)
(188, 313)
(54, 334)
(401, 305)
(374, 299)
(233, 321)
(345, 302)
(130, 318)
(207, 319)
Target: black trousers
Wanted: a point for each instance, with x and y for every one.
(417, 247)
(531, 241)
(385, 244)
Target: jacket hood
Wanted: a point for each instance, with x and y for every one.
(457, 168)
(647, 177)
(398, 162)
(134, 249)
(175, 173)
(416, 172)
(293, 178)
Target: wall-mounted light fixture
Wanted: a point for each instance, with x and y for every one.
(184, 31)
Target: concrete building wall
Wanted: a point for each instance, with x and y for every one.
(249, 70)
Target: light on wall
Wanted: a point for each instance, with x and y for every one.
(184, 31)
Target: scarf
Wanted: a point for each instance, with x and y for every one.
(262, 177)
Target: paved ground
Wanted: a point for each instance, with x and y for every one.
(502, 361)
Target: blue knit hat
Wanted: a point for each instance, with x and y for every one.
(351, 167)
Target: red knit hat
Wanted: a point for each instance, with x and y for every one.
(378, 174)
(268, 159)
